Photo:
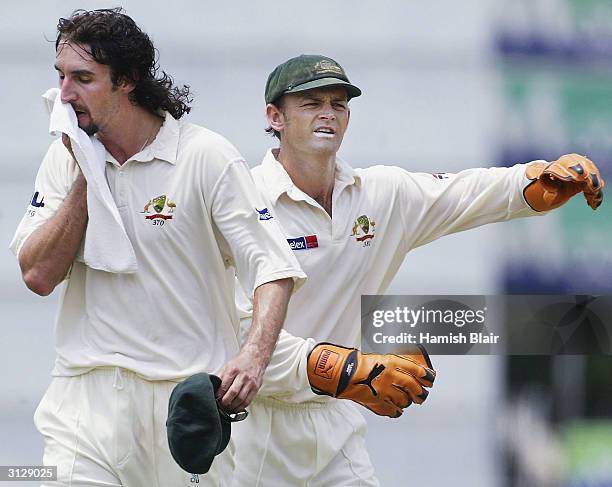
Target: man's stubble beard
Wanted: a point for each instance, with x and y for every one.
(90, 129)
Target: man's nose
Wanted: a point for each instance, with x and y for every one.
(327, 112)
(67, 92)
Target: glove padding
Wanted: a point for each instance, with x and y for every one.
(555, 183)
(385, 384)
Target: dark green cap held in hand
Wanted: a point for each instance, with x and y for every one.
(198, 430)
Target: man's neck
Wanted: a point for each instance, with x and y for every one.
(313, 174)
(136, 129)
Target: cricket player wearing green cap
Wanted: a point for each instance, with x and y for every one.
(350, 230)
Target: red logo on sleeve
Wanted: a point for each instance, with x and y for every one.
(311, 241)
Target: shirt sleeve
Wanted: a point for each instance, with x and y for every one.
(259, 248)
(434, 205)
(53, 182)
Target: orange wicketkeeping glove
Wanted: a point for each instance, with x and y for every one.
(385, 384)
(555, 183)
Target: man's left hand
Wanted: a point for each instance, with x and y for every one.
(241, 378)
(555, 183)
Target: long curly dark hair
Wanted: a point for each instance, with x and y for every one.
(114, 39)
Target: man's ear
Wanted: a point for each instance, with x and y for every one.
(125, 86)
(275, 116)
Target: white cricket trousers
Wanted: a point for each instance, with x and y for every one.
(309, 444)
(108, 428)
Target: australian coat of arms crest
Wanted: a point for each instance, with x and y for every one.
(159, 208)
(363, 229)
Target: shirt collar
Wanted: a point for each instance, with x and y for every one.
(163, 147)
(276, 178)
(278, 181)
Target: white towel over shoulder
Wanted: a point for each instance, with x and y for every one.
(107, 246)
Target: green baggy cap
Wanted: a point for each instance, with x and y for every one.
(306, 72)
(197, 429)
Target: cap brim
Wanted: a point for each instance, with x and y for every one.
(351, 90)
(226, 426)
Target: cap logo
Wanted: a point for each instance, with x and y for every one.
(328, 66)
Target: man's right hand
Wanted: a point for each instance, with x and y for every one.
(68, 145)
(385, 384)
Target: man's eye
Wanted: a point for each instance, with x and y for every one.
(85, 80)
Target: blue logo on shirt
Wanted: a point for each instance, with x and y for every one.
(264, 214)
(303, 243)
(35, 203)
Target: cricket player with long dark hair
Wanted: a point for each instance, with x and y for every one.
(124, 340)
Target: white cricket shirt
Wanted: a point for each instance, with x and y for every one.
(191, 212)
(379, 214)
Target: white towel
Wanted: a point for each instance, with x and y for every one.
(107, 246)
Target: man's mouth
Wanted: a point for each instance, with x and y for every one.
(325, 132)
(79, 111)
